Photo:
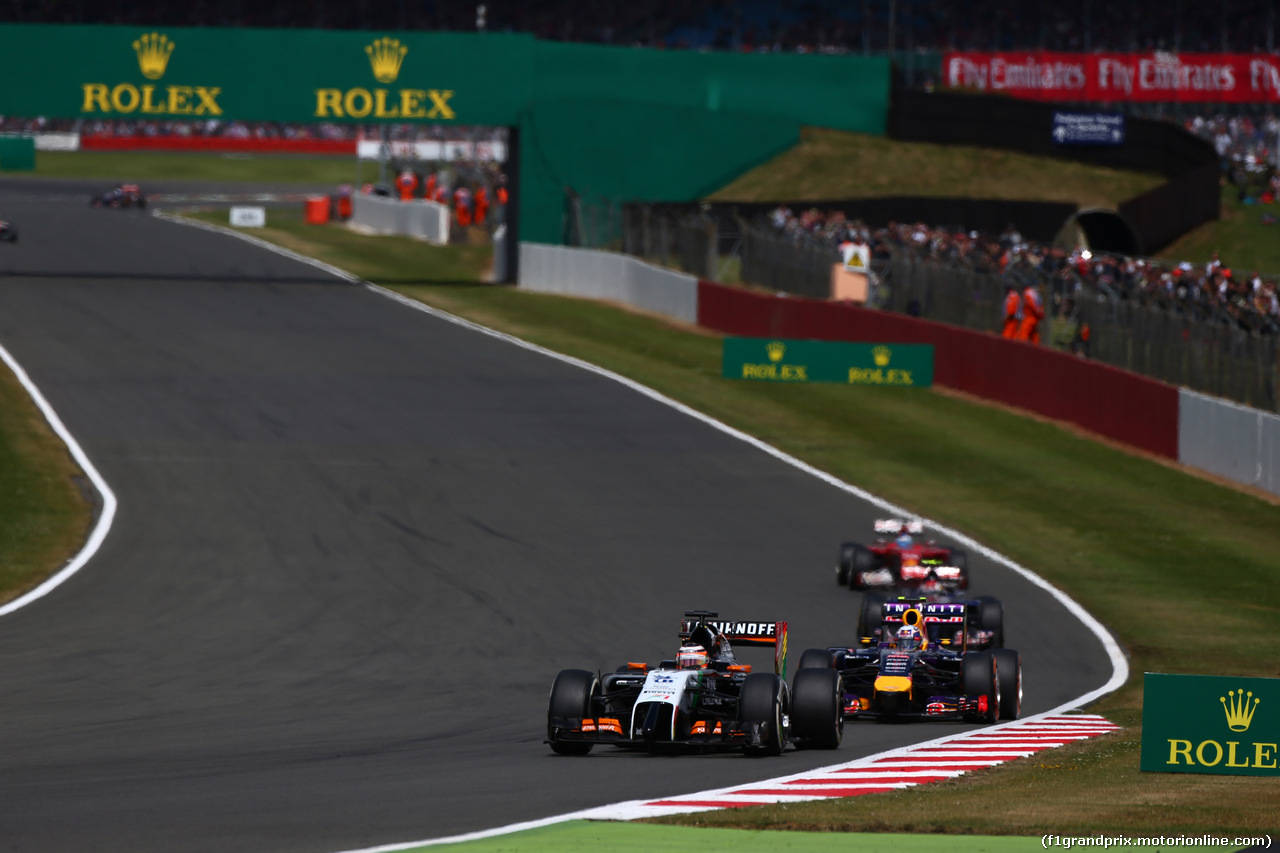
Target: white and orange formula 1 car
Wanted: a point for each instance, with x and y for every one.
(705, 699)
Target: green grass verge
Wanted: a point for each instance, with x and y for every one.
(44, 516)
(143, 166)
(591, 837)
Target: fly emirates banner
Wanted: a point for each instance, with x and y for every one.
(1236, 78)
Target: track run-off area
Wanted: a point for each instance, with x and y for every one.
(352, 542)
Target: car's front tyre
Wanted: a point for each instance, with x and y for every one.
(571, 696)
(817, 708)
(764, 700)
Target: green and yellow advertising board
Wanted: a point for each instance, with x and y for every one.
(775, 360)
(1211, 724)
(612, 123)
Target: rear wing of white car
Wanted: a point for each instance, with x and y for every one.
(743, 634)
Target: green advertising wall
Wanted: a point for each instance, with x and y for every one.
(623, 124)
(775, 360)
(1211, 724)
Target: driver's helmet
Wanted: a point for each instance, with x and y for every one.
(904, 541)
(692, 657)
(909, 638)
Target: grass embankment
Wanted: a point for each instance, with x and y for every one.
(832, 164)
(1240, 238)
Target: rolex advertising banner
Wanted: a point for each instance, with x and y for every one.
(606, 123)
(303, 76)
(773, 360)
(310, 76)
(1211, 724)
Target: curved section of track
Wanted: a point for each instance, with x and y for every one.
(354, 544)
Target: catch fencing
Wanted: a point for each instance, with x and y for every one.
(1214, 357)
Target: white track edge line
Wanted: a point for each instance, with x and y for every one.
(108, 511)
(1119, 664)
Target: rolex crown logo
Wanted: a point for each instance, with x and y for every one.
(385, 55)
(776, 350)
(881, 355)
(1238, 710)
(153, 51)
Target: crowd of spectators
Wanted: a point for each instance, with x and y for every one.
(638, 22)
(1212, 292)
(1249, 149)
(216, 128)
(744, 25)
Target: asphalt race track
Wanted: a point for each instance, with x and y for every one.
(354, 545)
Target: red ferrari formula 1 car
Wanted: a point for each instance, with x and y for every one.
(900, 558)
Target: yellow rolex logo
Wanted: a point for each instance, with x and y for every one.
(881, 355)
(1238, 710)
(385, 55)
(776, 350)
(153, 51)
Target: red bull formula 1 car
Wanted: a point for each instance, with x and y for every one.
(923, 668)
(703, 699)
(124, 195)
(899, 557)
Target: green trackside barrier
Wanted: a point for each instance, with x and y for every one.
(592, 122)
(17, 153)
(1211, 724)
(774, 360)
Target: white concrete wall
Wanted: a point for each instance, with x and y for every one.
(595, 274)
(1230, 440)
(425, 220)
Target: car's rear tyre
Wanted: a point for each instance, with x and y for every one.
(978, 678)
(844, 565)
(764, 700)
(991, 618)
(959, 559)
(861, 561)
(1009, 678)
(817, 708)
(816, 659)
(871, 616)
(572, 694)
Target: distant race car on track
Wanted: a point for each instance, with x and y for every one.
(923, 668)
(125, 195)
(7, 232)
(703, 699)
(899, 557)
